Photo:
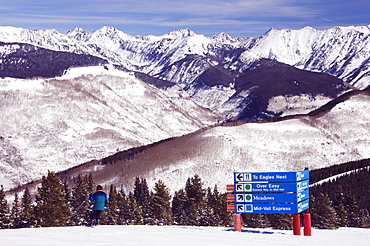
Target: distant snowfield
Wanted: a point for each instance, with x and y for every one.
(77, 72)
(9, 84)
(172, 235)
(291, 105)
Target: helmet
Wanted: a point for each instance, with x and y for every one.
(99, 187)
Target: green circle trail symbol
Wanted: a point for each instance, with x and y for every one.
(248, 187)
(248, 197)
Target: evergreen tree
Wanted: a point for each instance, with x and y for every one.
(137, 188)
(195, 194)
(205, 214)
(352, 209)
(134, 214)
(225, 216)
(16, 213)
(122, 207)
(364, 218)
(314, 219)
(4, 210)
(68, 199)
(216, 204)
(26, 215)
(68, 192)
(324, 213)
(89, 183)
(160, 204)
(179, 203)
(339, 206)
(52, 208)
(280, 221)
(112, 209)
(80, 200)
(214, 211)
(194, 189)
(142, 196)
(210, 209)
(256, 221)
(274, 220)
(286, 222)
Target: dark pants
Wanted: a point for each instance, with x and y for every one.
(96, 214)
(95, 217)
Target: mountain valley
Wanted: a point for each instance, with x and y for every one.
(196, 104)
(322, 138)
(59, 123)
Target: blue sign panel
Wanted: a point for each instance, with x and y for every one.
(271, 187)
(289, 208)
(271, 192)
(272, 197)
(271, 176)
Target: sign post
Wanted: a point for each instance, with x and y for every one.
(296, 224)
(272, 192)
(237, 222)
(307, 224)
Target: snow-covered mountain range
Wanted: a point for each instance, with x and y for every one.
(340, 51)
(209, 68)
(66, 99)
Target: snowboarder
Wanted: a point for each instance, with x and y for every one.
(100, 202)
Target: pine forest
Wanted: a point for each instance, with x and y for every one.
(333, 204)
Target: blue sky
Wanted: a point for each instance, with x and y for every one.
(238, 18)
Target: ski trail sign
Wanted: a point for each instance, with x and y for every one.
(270, 192)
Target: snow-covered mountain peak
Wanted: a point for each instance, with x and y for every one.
(49, 32)
(285, 45)
(196, 44)
(111, 32)
(107, 42)
(308, 28)
(15, 34)
(48, 38)
(181, 33)
(224, 37)
(77, 33)
(76, 29)
(107, 29)
(275, 30)
(346, 29)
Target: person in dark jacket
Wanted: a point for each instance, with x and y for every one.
(100, 202)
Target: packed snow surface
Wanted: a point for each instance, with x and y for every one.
(173, 235)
